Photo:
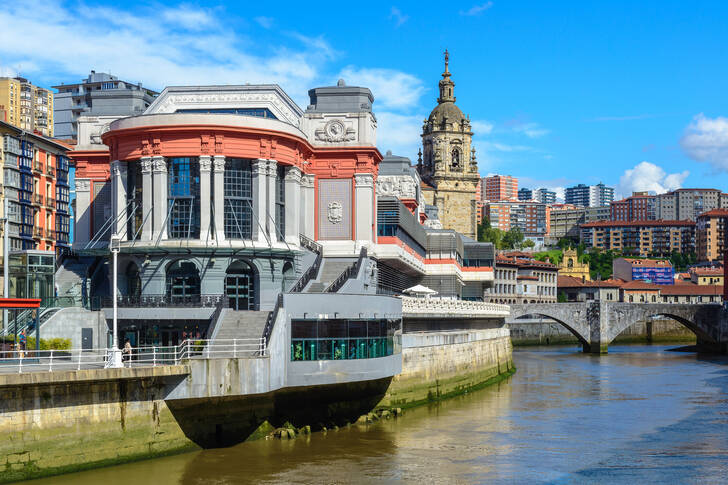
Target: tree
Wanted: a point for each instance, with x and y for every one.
(513, 238)
(528, 243)
(561, 297)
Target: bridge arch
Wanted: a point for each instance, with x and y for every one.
(699, 320)
(571, 316)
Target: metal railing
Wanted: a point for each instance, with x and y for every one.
(271, 320)
(154, 301)
(311, 272)
(350, 272)
(20, 361)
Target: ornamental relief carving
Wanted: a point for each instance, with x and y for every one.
(83, 185)
(335, 212)
(334, 131)
(230, 100)
(205, 163)
(146, 163)
(401, 187)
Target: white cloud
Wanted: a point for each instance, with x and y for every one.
(138, 47)
(706, 140)
(391, 89)
(503, 147)
(399, 133)
(646, 176)
(481, 127)
(398, 17)
(265, 22)
(189, 17)
(477, 9)
(531, 130)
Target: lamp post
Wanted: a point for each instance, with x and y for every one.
(115, 246)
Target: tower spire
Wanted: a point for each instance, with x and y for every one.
(447, 62)
(447, 87)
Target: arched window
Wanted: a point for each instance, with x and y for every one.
(571, 263)
(289, 275)
(455, 159)
(240, 286)
(183, 281)
(133, 281)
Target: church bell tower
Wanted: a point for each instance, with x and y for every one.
(448, 164)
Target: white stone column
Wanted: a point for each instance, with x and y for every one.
(147, 199)
(205, 197)
(118, 186)
(218, 174)
(271, 217)
(364, 209)
(82, 217)
(293, 206)
(159, 175)
(259, 170)
(308, 206)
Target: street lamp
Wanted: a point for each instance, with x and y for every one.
(115, 247)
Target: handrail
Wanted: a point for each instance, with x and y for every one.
(164, 300)
(215, 316)
(271, 320)
(311, 272)
(350, 272)
(30, 360)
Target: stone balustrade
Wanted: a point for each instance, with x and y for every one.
(448, 308)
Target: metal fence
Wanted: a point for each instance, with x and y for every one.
(20, 361)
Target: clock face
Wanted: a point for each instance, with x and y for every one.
(334, 129)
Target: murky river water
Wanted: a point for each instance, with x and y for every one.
(639, 415)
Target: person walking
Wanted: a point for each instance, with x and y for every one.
(126, 352)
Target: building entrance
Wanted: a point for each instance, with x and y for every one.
(240, 286)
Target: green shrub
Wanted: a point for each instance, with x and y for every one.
(49, 344)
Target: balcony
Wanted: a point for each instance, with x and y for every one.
(166, 301)
(50, 202)
(37, 167)
(51, 171)
(37, 199)
(38, 232)
(50, 234)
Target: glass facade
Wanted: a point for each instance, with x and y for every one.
(238, 199)
(343, 339)
(32, 274)
(184, 198)
(257, 112)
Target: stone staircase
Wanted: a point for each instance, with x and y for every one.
(69, 277)
(240, 324)
(331, 268)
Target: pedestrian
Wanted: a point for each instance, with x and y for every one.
(126, 352)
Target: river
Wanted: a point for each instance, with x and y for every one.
(641, 414)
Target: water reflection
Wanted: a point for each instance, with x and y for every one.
(639, 414)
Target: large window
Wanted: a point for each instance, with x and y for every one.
(183, 282)
(184, 198)
(281, 202)
(134, 210)
(343, 339)
(238, 199)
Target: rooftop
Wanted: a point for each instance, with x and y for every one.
(638, 224)
(715, 213)
(648, 262)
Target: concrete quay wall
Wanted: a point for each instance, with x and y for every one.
(546, 331)
(51, 423)
(437, 365)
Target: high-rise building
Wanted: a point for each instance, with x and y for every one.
(500, 187)
(26, 106)
(687, 204)
(639, 207)
(565, 221)
(532, 218)
(545, 195)
(589, 195)
(710, 235)
(449, 168)
(525, 194)
(100, 94)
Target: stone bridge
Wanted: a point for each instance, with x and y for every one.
(597, 323)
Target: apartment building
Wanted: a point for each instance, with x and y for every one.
(532, 218)
(26, 106)
(640, 238)
(589, 195)
(545, 195)
(710, 235)
(100, 94)
(525, 194)
(522, 279)
(565, 220)
(640, 206)
(500, 187)
(658, 271)
(688, 204)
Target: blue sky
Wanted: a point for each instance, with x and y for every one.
(629, 93)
